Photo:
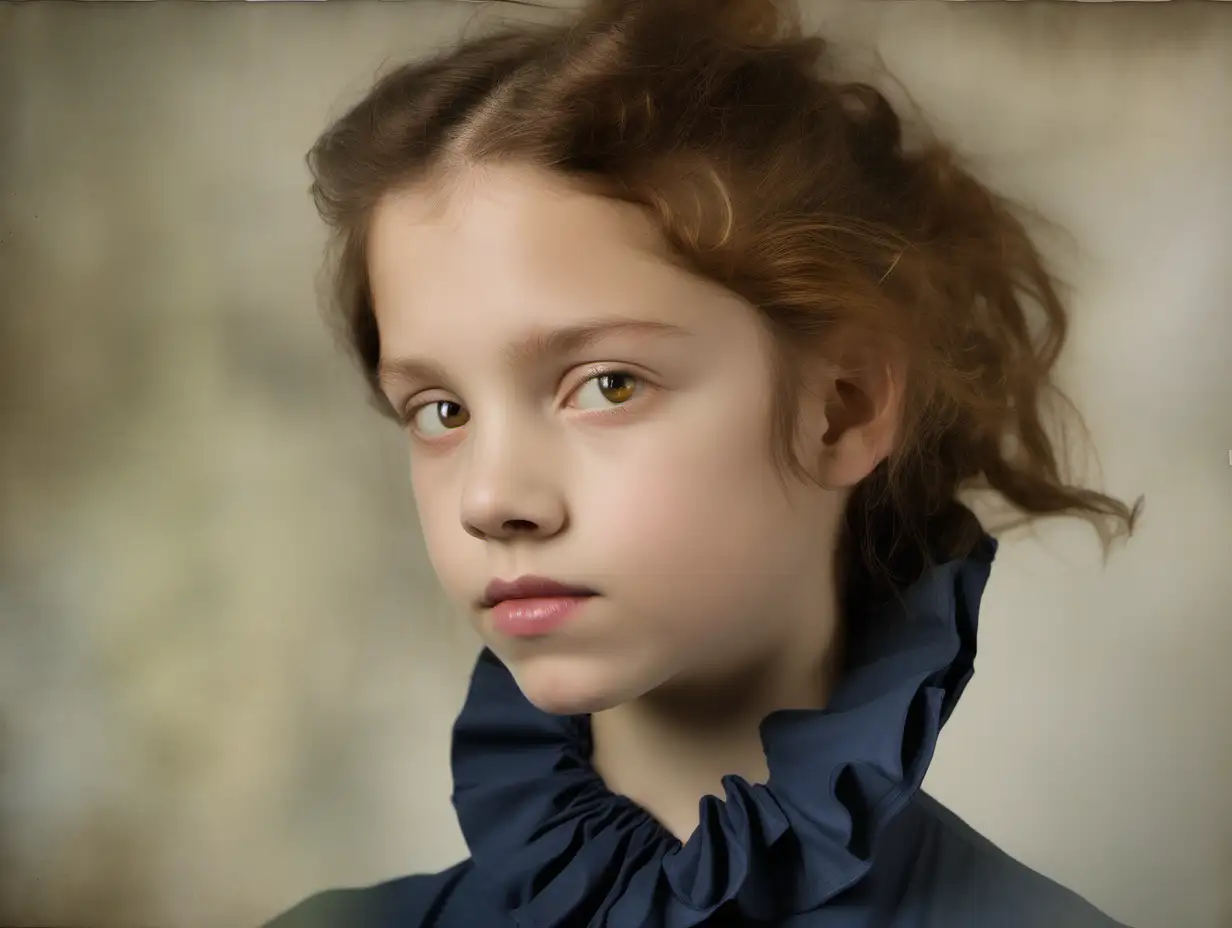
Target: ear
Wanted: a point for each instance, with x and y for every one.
(863, 407)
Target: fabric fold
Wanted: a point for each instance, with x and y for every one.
(562, 850)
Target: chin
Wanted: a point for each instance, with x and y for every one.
(574, 685)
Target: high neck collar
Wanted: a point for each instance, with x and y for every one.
(562, 850)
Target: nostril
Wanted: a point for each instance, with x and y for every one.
(519, 525)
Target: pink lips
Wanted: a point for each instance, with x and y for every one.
(532, 606)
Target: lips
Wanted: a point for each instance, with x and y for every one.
(529, 588)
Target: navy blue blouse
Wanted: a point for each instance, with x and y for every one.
(839, 837)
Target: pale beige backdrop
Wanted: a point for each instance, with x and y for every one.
(226, 673)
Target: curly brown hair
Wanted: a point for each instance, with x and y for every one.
(792, 188)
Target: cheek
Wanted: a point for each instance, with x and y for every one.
(701, 513)
(704, 558)
(442, 531)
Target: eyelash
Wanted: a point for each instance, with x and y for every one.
(592, 373)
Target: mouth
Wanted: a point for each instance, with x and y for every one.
(528, 587)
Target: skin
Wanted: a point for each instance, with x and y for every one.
(657, 488)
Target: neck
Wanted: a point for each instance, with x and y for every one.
(669, 748)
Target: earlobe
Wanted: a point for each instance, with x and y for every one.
(863, 412)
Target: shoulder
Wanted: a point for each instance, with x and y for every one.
(968, 875)
(421, 901)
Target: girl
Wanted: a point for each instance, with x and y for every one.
(693, 358)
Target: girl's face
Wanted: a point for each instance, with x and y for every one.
(581, 410)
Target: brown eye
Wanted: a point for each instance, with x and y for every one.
(443, 414)
(613, 389)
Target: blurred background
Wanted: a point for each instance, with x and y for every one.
(227, 675)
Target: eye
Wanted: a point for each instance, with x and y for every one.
(610, 388)
(601, 390)
(445, 414)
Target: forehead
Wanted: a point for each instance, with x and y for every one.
(501, 247)
(490, 219)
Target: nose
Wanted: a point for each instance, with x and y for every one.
(512, 491)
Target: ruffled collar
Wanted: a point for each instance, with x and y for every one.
(562, 850)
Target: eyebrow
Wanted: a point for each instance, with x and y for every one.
(538, 347)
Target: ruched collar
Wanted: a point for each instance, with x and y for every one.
(561, 850)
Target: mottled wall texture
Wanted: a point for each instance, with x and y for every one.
(227, 674)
